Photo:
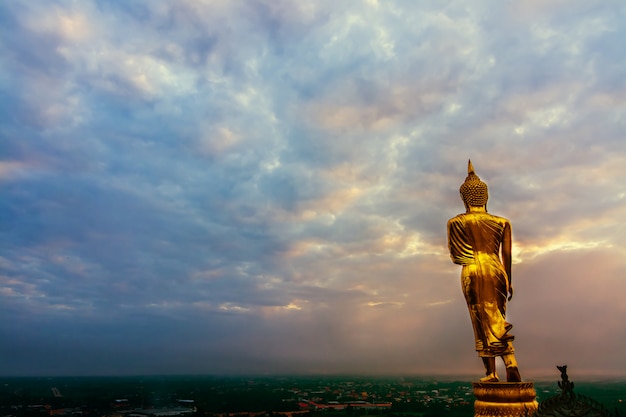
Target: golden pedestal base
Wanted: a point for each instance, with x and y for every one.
(504, 399)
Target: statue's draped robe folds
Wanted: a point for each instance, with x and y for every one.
(474, 240)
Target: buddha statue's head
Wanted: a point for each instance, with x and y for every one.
(473, 191)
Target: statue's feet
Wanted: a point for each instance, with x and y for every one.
(491, 377)
(512, 374)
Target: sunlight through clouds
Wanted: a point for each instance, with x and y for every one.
(527, 253)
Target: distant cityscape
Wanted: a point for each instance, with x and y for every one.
(259, 397)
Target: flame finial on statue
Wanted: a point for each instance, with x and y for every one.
(473, 191)
(470, 167)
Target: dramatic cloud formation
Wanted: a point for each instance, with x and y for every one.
(263, 186)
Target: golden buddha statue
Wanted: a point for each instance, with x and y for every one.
(481, 243)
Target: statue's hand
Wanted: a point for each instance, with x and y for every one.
(510, 292)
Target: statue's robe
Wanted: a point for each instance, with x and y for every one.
(474, 241)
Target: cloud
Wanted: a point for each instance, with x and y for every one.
(269, 182)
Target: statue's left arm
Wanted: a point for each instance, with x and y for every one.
(461, 251)
(506, 256)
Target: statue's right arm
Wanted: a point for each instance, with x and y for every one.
(507, 256)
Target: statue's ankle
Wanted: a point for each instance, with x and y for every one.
(512, 374)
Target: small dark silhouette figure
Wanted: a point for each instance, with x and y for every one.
(565, 384)
(570, 404)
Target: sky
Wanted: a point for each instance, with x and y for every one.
(262, 187)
